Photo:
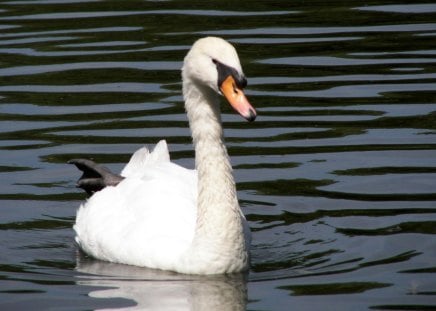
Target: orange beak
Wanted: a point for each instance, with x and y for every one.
(236, 97)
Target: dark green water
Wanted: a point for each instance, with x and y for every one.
(337, 176)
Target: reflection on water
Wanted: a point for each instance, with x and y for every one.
(336, 176)
(161, 290)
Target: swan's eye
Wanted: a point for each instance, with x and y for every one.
(224, 71)
(242, 82)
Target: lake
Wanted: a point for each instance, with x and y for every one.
(337, 176)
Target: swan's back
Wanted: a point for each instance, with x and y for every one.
(146, 220)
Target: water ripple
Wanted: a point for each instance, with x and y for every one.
(292, 31)
(88, 88)
(336, 176)
(64, 67)
(340, 61)
(401, 8)
(84, 15)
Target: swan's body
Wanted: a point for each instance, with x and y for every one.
(164, 216)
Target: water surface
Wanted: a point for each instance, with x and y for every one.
(337, 176)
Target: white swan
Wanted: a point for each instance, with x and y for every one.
(164, 216)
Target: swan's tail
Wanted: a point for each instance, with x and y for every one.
(143, 158)
(95, 177)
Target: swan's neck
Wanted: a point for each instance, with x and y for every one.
(219, 219)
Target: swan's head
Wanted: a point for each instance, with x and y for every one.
(214, 63)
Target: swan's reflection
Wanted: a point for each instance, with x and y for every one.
(163, 290)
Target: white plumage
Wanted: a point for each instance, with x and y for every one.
(168, 217)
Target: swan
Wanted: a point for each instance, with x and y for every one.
(160, 215)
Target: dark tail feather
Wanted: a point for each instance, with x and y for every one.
(95, 177)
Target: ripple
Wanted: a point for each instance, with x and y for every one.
(290, 40)
(373, 137)
(400, 184)
(391, 110)
(84, 15)
(4, 27)
(88, 88)
(336, 176)
(62, 67)
(14, 126)
(352, 91)
(339, 78)
(102, 44)
(289, 31)
(34, 52)
(35, 110)
(401, 8)
(333, 288)
(70, 31)
(35, 40)
(413, 52)
(340, 61)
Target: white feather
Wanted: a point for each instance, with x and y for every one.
(142, 159)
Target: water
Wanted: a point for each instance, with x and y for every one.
(337, 176)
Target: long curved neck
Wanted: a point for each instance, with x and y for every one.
(218, 212)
